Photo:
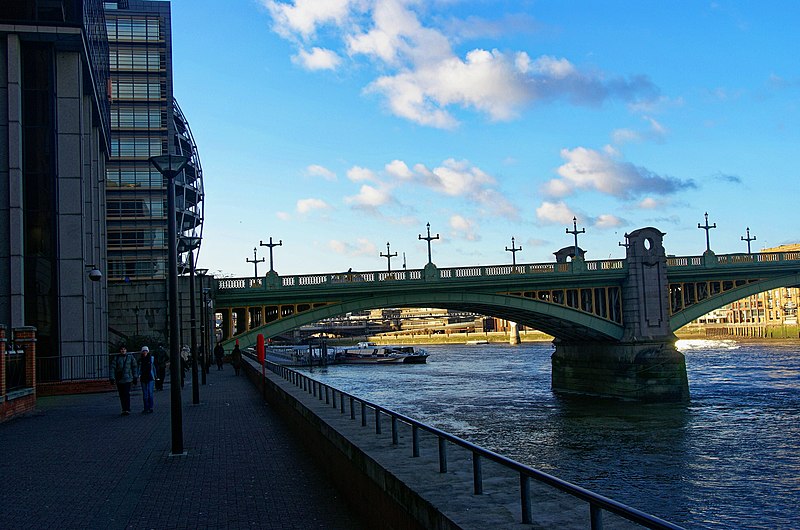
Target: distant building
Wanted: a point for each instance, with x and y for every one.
(54, 141)
(760, 315)
(146, 121)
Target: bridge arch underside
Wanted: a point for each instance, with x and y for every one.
(703, 304)
(559, 321)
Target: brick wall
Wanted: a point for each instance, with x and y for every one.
(20, 401)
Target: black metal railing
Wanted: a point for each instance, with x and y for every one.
(597, 504)
(71, 368)
(15, 370)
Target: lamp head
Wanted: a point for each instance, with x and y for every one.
(95, 275)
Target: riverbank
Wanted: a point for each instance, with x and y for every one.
(449, 338)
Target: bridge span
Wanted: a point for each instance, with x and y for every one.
(613, 320)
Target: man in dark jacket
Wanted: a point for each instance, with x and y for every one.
(124, 372)
(219, 355)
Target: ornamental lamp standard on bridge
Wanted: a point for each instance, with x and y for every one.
(169, 166)
(255, 262)
(575, 232)
(388, 257)
(707, 228)
(429, 239)
(513, 252)
(748, 239)
(271, 245)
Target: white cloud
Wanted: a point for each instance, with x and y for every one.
(311, 204)
(655, 132)
(555, 213)
(588, 169)
(607, 220)
(399, 169)
(303, 16)
(463, 227)
(424, 80)
(315, 170)
(369, 197)
(283, 216)
(360, 174)
(317, 59)
(649, 203)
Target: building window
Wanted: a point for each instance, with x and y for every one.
(139, 60)
(133, 29)
(137, 118)
(136, 89)
(135, 147)
(134, 177)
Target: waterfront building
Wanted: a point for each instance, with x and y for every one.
(770, 314)
(146, 121)
(54, 140)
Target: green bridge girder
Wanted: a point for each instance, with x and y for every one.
(501, 291)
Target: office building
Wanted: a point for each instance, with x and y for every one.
(54, 140)
(145, 121)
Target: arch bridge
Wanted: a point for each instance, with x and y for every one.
(613, 320)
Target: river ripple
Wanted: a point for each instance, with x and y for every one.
(728, 459)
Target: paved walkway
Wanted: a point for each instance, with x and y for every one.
(77, 463)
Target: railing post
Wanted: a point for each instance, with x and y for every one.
(2, 361)
(25, 337)
(477, 474)
(341, 403)
(597, 516)
(377, 421)
(333, 396)
(525, 497)
(394, 430)
(414, 441)
(363, 414)
(352, 408)
(442, 455)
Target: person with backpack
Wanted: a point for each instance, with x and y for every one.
(124, 372)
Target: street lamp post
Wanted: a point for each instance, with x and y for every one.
(203, 322)
(169, 166)
(192, 243)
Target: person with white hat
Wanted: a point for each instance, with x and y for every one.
(147, 367)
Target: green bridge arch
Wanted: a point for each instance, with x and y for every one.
(560, 321)
(695, 311)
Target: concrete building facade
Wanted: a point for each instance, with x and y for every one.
(54, 140)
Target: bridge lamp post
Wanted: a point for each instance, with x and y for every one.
(271, 245)
(707, 228)
(255, 262)
(575, 232)
(169, 166)
(513, 251)
(748, 239)
(388, 257)
(429, 239)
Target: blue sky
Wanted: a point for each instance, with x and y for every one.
(337, 126)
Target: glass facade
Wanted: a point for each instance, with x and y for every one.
(145, 122)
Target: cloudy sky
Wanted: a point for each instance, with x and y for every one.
(336, 126)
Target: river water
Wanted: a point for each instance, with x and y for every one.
(728, 459)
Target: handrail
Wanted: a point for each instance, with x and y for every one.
(597, 502)
(470, 272)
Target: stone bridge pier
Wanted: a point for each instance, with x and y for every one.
(644, 365)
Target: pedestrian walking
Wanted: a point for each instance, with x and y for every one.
(219, 355)
(236, 358)
(162, 358)
(148, 375)
(124, 371)
(185, 357)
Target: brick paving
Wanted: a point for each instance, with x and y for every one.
(77, 463)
